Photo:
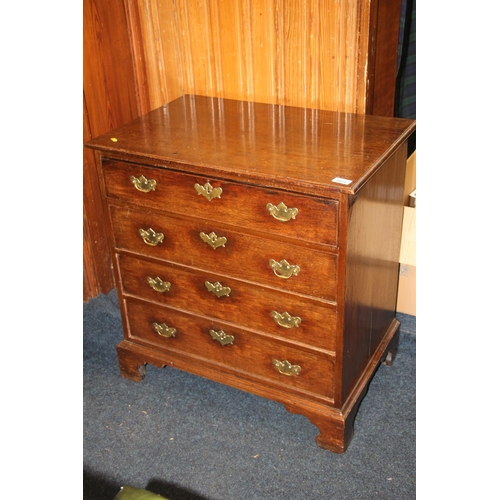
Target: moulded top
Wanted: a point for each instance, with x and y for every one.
(318, 151)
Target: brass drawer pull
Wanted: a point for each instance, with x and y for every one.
(285, 320)
(213, 240)
(151, 237)
(208, 191)
(158, 284)
(164, 330)
(282, 212)
(286, 368)
(283, 269)
(222, 337)
(142, 184)
(218, 289)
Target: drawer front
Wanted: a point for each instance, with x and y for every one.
(291, 317)
(266, 262)
(240, 205)
(248, 352)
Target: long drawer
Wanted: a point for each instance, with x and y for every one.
(237, 204)
(291, 317)
(279, 264)
(236, 349)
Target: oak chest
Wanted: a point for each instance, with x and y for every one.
(257, 245)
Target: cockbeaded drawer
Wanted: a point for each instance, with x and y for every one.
(231, 347)
(256, 208)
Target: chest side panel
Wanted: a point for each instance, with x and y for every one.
(372, 265)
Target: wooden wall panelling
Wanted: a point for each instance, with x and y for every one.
(108, 75)
(109, 101)
(382, 57)
(156, 51)
(97, 274)
(310, 54)
(140, 69)
(195, 47)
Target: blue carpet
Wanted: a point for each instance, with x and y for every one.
(188, 438)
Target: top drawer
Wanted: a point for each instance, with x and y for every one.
(266, 210)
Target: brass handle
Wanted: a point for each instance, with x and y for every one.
(151, 237)
(213, 240)
(286, 368)
(218, 289)
(164, 330)
(158, 284)
(282, 212)
(222, 337)
(283, 269)
(285, 320)
(208, 191)
(142, 184)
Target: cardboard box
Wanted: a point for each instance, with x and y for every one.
(407, 289)
(408, 250)
(411, 177)
(413, 199)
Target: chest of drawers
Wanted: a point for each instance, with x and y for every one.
(257, 245)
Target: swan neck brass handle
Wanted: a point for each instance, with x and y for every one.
(164, 330)
(286, 368)
(217, 289)
(208, 191)
(283, 269)
(213, 240)
(151, 237)
(286, 320)
(158, 284)
(282, 212)
(222, 337)
(142, 184)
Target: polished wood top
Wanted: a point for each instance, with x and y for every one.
(278, 146)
